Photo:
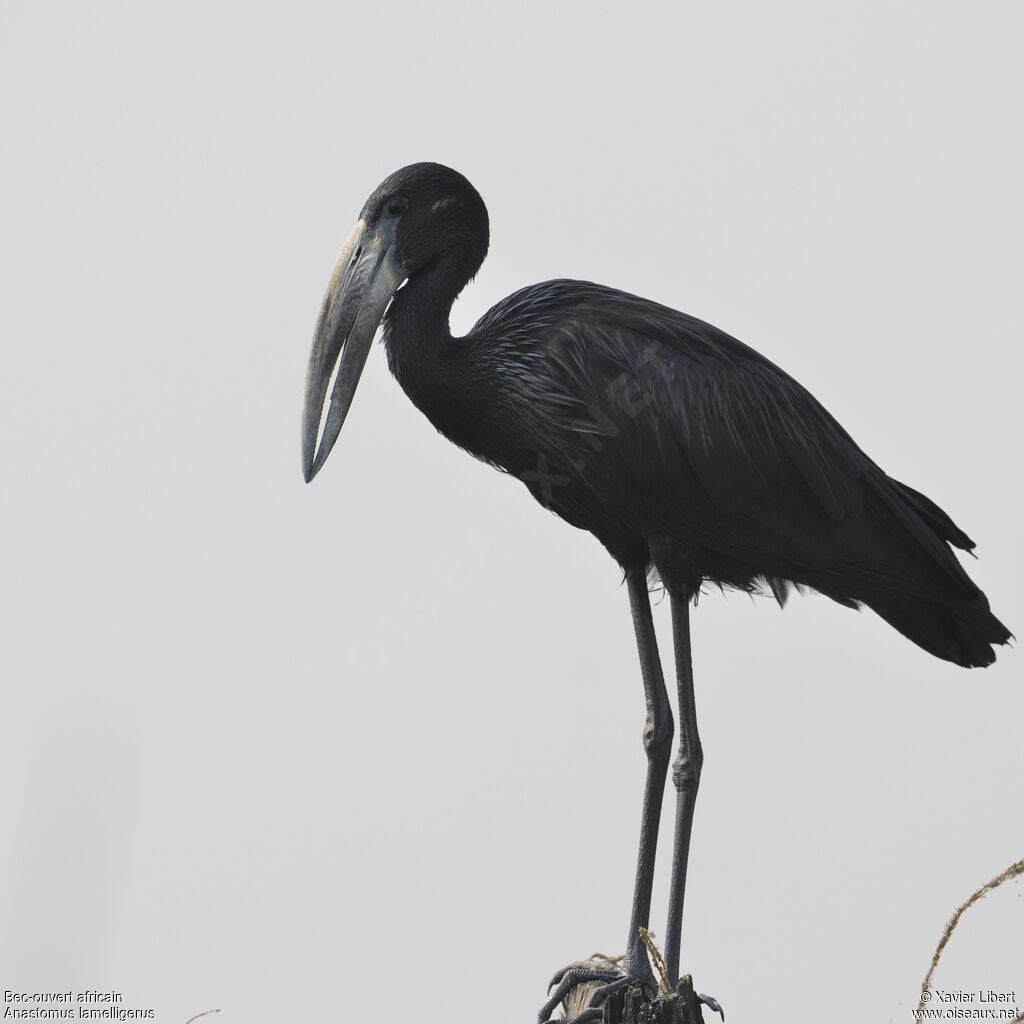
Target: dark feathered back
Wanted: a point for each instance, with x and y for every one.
(678, 445)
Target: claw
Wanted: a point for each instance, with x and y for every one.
(571, 976)
(562, 972)
(712, 1004)
(585, 965)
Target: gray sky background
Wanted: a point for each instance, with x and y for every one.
(281, 749)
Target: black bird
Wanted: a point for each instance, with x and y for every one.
(686, 453)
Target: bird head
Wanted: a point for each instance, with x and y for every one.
(423, 222)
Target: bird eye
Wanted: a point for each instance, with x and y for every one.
(396, 206)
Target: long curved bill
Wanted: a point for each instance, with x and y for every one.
(365, 278)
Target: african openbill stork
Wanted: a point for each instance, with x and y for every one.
(686, 453)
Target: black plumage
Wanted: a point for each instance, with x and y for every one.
(684, 451)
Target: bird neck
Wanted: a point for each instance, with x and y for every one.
(418, 338)
(422, 306)
(442, 375)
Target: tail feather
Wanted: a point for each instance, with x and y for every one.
(919, 587)
(964, 635)
(939, 522)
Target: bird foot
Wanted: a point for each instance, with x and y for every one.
(584, 986)
(692, 1001)
(605, 988)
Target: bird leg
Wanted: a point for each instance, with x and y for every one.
(635, 966)
(657, 745)
(686, 778)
